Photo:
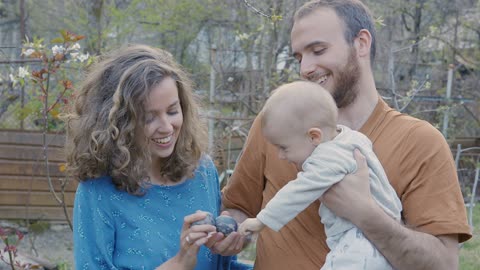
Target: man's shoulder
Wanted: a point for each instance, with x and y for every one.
(413, 128)
(396, 118)
(413, 134)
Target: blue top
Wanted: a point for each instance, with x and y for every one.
(116, 230)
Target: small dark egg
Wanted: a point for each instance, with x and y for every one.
(226, 224)
(208, 220)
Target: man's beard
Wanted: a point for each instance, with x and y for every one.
(346, 79)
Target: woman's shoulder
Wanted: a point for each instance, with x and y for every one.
(206, 169)
(206, 163)
(94, 185)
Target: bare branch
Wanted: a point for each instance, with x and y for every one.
(256, 10)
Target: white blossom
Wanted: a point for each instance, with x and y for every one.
(58, 49)
(75, 46)
(33, 45)
(83, 57)
(13, 79)
(28, 52)
(243, 36)
(23, 72)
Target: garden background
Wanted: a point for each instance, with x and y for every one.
(237, 51)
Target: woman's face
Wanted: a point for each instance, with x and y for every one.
(163, 119)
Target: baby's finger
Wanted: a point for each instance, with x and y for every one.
(242, 229)
(245, 232)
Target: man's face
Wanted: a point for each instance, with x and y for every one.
(325, 57)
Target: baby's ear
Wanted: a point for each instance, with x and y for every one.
(315, 135)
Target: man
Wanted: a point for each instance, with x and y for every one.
(334, 41)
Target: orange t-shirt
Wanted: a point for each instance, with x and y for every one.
(418, 163)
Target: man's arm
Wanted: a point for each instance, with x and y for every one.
(406, 248)
(403, 247)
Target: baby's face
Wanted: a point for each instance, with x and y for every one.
(292, 145)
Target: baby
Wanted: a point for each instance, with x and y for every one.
(300, 119)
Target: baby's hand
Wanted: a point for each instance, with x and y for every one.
(250, 225)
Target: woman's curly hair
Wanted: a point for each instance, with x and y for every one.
(106, 122)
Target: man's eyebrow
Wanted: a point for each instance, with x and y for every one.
(310, 45)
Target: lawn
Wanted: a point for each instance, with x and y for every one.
(470, 251)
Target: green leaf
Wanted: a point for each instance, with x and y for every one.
(64, 34)
(57, 40)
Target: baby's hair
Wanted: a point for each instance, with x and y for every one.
(105, 127)
(301, 105)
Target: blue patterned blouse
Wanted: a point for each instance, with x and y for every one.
(116, 230)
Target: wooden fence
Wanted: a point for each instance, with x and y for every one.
(24, 187)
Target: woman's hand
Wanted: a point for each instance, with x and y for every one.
(226, 246)
(191, 238)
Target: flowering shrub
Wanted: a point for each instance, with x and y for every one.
(48, 85)
(50, 77)
(11, 237)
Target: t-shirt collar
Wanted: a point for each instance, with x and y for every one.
(376, 117)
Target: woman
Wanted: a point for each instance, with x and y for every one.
(136, 144)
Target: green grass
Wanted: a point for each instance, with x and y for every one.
(470, 251)
(248, 254)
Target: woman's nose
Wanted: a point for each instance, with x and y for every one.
(163, 124)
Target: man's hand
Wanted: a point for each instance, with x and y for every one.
(404, 248)
(351, 197)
